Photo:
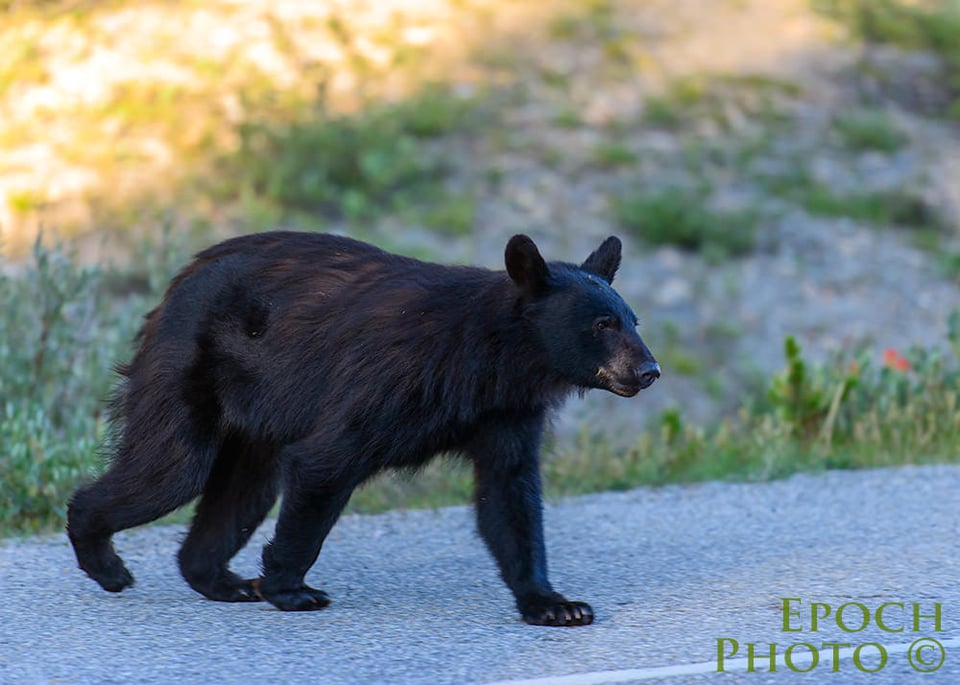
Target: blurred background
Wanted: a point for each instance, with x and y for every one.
(785, 175)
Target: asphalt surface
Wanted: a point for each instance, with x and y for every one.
(418, 600)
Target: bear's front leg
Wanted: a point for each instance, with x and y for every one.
(555, 610)
(510, 519)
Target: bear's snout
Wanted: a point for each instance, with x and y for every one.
(631, 369)
(647, 374)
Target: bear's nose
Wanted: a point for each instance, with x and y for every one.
(648, 373)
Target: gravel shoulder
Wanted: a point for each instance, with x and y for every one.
(417, 599)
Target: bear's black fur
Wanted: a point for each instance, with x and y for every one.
(308, 363)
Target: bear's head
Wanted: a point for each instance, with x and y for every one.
(588, 332)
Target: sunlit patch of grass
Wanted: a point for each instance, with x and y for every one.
(590, 21)
(26, 200)
(348, 165)
(910, 24)
(715, 97)
(147, 138)
(22, 63)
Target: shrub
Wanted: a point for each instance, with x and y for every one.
(58, 339)
(869, 129)
(353, 166)
(682, 217)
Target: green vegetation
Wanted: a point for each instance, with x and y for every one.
(854, 411)
(58, 341)
(683, 217)
(925, 25)
(948, 261)
(595, 23)
(450, 215)
(943, 251)
(892, 207)
(849, 413)
(674, 355)
(610, 155)
(720, 98)
(230, 139)
(868, 129)
(677, 103)
(354, 166)
(567, 118)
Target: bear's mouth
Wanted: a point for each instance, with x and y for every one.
(618, 386)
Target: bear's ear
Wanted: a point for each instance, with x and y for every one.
(525, 265)
(605, 260)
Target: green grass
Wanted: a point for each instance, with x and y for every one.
(948, 261)
(612, 155)
(567, 117)
(868, 129)
(453, 214)
(903, 207)
(941, 249)
(683, 217)
(22, 64)
(892, 207)
(58, 340)
(859, 410)
(712, 98)
(925, 25)
(445, 482)
(244, 147)
(856, 411)
(921, 25)
(674, 107)
(595, 23)
(352, 166)
(23, 201)
(675, 357)
(679, 362)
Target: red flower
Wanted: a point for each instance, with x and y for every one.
(894, 360)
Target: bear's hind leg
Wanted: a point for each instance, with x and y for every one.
(241, 489)
(140, 487)
(304, 522)
(313, 498)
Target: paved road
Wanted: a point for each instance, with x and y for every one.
(417, 600)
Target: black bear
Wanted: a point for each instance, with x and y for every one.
(307, 363)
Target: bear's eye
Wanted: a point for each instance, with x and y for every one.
(605, 322)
